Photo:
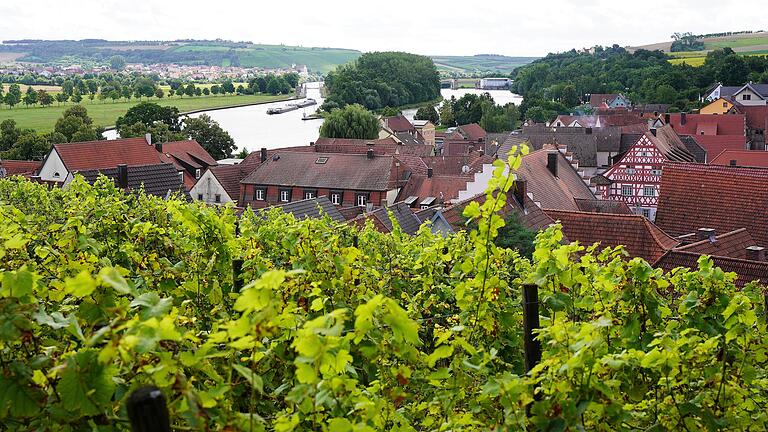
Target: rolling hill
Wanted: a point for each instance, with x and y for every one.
(479, 64)
(215, 52)
(745, 43)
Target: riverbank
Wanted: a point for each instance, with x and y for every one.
(105, 113)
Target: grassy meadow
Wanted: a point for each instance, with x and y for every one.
(105, 113)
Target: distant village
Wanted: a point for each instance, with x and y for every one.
(164, 71)
(670, 187)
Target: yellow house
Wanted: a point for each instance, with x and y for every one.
(719, 106)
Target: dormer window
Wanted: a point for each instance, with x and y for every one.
(56, 174)
(197, 173)
(746, 97)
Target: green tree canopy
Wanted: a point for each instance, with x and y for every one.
(352, 121)
(149, 113)
(209, 134)
(428, 112)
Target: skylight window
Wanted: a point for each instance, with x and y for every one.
(321, 160)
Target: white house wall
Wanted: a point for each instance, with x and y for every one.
(53, 165)
(209, 187)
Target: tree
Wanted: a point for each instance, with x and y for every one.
(206, 91)
(227, 87)
(76, 125)
(44, 98)
(149, 113)
(292, 79)
(469, 108)
(540, 115)
(144, 87)
(446, 113)
(159, 93)
(243, 153)
(126, 92)
(261, 83)
(160, 132)
(30, 98)
(9, 134)
(209, 134)
(240, 89)
(76, 97)
(189, 90)
(28, 146)
(198, 91)
(390, 112)
(61, 98)
(117, 62)
(428, 112)
(215, 89)
(13, 96)
(68, 87)
(352, 121)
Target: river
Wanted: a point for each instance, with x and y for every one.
(251, 127)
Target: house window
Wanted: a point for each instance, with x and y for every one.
(746, 97)
(646, 213)
(285, 195)
(199, 197)
(310, 193)
(259, 194)
(217, 198)
(656, 171)
(181, 175)
(631, 170)
(649, 191)
(626, 190)
(336, 198)
(197, 173)
(361, 200)
(725, 104)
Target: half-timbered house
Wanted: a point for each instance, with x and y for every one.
(636, 177)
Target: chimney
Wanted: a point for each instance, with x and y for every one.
(521, 190)
(756, 253)
(666, 118)
(122, 176)
(706, 234)
(430, 172)
(588, 131)
(148, 137)
(683, 120)
(552, 162)
(159, 147)
(263, 157)
(369, 154)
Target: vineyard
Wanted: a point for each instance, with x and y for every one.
(264, 322)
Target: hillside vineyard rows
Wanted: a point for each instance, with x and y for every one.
(327, 326)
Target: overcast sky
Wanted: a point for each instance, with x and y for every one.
(528, 28)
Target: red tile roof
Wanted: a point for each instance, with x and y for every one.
(640, 237)
(598, 100)
(757, 115)
(733, 244)
(19, 167)
(187, 155)
(230, 176)
(747, 271)
(747, 158)
(399, 123)
(716, 144)
(444, 188)
(725, 198)
(473, 131)
(553, 192)
(710, 124)
(603, 206)
(104, 154)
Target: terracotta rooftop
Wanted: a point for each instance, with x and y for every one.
(716, 144)
(747, 270)
(325, 170)
(106, 154)
(402, 213)
(313, 208)
(757, 115)
(398, 123)
(695, 124)
(746, 158)
(725, 198)
(531, 217)
(230, 176)
(472, 131)
(441, 187)
(640, 237)
(19, 167)
(733, 244)
(603, 206)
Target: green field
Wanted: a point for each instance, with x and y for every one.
(502, 65)
(736, 42)
(105, 113)
(697, 58)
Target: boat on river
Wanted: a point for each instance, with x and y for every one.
(285, 109)
(306, 103)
